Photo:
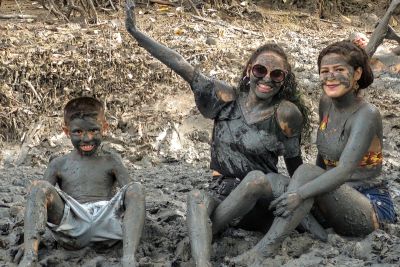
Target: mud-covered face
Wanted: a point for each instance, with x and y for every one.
(337, 76)
(86, 134)
(272, 65)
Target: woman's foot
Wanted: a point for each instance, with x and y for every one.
(253, 257)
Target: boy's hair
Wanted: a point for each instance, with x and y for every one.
(82, 107)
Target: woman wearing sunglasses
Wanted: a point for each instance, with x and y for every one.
(252, 127)
(346, 184)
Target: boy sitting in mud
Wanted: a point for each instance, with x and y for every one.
(83, 210)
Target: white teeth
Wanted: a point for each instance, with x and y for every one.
(87, 147)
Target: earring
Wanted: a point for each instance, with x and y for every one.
(246, 80)
(356, 88)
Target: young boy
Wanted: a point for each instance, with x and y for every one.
(83, 210)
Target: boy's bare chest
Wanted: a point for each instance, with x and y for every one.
(87, 178)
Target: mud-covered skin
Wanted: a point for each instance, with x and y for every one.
(336, 76)
(353, 128)
(86, 177)
(85, 134)
(250, 132)
(264, 88)
(281, 226)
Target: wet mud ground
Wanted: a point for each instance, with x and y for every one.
(160, 134)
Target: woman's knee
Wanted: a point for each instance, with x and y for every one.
(307, 172)
(256, 181)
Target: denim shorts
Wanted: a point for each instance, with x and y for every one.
(382, 202)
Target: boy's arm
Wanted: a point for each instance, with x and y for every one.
(51, 173)
(119, 170)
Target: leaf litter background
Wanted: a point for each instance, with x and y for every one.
(156, 128)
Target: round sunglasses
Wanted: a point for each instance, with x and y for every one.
(260, 71)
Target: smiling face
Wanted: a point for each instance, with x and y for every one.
(337, 77)
(86, 134)
(264, 87)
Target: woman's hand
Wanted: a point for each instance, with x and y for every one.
(286, 204)
(130, 21)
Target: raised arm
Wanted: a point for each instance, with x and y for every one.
(166, 55)
(210, 94)
(363, 129)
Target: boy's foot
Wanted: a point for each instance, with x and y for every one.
(129, 261)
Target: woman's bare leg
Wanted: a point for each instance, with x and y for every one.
(348, 211)
(281, 226)
(199, 208)
(255, 185)
(239, 202)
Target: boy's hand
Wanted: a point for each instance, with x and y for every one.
(130, 21)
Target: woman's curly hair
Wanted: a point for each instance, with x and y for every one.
(288, 90)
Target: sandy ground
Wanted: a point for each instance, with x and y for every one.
(156, 128)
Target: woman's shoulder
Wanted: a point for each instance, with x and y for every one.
(369, 109)
(289, 118)
(366, 117)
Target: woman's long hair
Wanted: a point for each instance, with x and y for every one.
(288, 90)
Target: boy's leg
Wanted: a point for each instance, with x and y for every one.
(133, 221)
(381, 30)
(43, 205)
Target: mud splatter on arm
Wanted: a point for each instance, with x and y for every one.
(289, 118)
(290, 121)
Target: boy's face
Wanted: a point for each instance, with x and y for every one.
(86, 134)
